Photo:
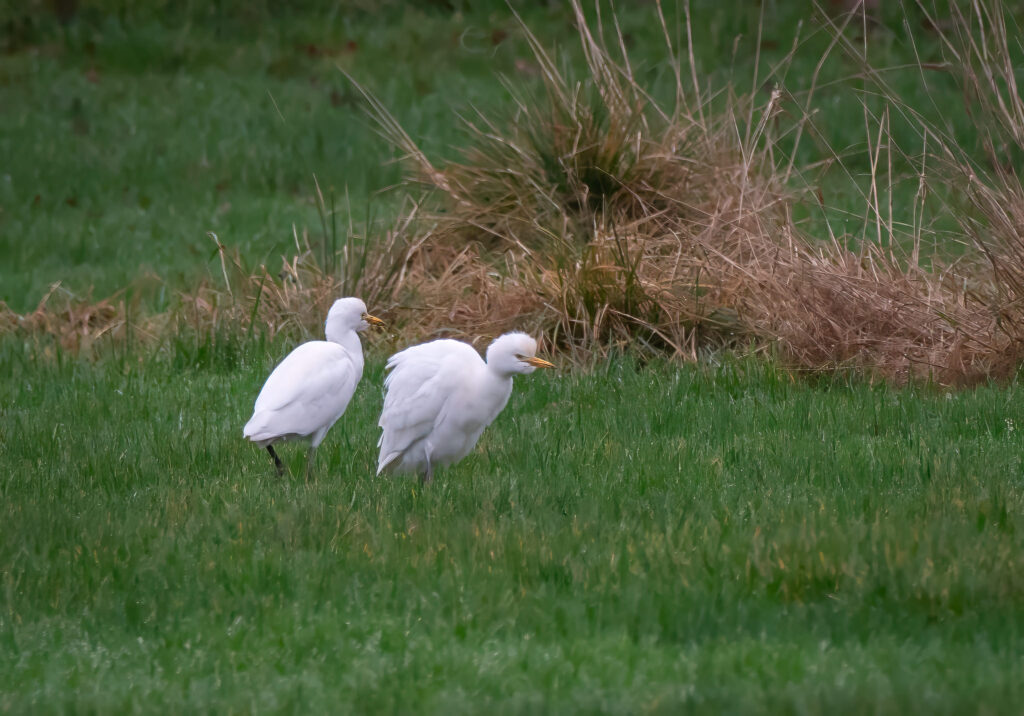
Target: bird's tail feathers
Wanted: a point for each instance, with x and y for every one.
(387, 463)
(255, 429)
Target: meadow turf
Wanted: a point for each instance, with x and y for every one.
(633, 539)
(723, 538)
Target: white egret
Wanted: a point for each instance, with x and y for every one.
(439, 397)
(309, 390)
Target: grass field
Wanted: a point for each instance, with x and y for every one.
(743, 542)
(720, 537)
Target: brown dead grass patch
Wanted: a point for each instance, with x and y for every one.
(241, 300)
(606, 221)
(601, 221)
(77, 324)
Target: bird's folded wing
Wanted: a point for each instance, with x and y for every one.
(306, 390)
(418, 387)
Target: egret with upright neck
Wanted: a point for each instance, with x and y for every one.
(311, 388)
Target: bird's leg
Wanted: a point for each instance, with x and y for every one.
(277, 461)
(309, 460)
(429, 474)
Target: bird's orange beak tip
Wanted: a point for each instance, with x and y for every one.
(538, 362)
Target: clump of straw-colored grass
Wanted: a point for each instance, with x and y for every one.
(980, 44)
(608, 221)
(602, 220)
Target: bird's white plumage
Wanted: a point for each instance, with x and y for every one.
(305, 394)
(441, 395)
(311, 388)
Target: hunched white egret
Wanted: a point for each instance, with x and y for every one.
(439, 397)
(309, 390)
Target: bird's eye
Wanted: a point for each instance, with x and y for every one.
(520, 356)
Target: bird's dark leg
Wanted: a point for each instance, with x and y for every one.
(429, 474)
(277, 461)
(309, 460)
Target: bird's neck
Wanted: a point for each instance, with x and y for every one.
(349, 340)
(496, 391)
(499, 377)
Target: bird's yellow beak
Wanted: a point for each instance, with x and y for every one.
(538, 362)
(372, 320)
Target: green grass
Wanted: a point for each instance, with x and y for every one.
(125, 159)
(722, 539)
(742, 542)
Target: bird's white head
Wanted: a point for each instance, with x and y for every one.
(348, 314)
(514, 353)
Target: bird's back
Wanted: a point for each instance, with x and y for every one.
(421, 386)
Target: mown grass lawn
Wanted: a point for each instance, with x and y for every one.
(634, 539)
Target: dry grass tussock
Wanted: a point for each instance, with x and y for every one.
(604, 220)
(980, 47)
(985, 319)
